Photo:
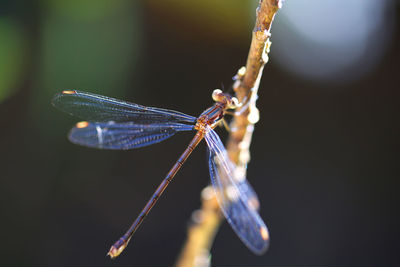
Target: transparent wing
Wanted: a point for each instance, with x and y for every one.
(117, 136)
(236, 197)
(92, 107)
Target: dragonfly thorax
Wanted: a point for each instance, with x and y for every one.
(211, 116)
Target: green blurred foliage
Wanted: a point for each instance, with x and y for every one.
(12, 50)
(91, 54)
(88, 45)
(223, 19)
(86, 9)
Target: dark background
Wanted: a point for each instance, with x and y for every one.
(324, 154)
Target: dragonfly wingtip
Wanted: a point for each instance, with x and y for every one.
(68, 92)
(82, 124)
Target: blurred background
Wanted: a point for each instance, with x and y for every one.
(324, 154)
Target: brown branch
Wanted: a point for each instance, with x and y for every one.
(248, 82)
(205, 223)
(202, 231)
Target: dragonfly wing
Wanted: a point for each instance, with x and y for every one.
(92, 107)
(236, 197)
(118, 136)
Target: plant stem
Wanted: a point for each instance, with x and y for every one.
(202, 231)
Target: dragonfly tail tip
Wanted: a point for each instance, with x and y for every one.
(116, 249)
(113, 252)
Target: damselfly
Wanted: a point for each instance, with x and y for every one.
(115, 124)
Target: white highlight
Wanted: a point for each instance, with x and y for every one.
(99, 134)
(332, 40)
(240, 173)
(231, 193)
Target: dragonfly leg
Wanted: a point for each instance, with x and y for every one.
(226, 125)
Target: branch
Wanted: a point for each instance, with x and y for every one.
(202, 231)
(248, 81)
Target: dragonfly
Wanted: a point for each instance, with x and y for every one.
(119, 125)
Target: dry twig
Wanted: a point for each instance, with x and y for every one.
(203, 229)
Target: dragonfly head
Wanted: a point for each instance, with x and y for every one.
(230, 101)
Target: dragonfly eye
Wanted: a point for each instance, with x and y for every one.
(217, 95)
(234, 103)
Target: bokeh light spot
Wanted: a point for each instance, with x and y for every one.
(331, 40)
